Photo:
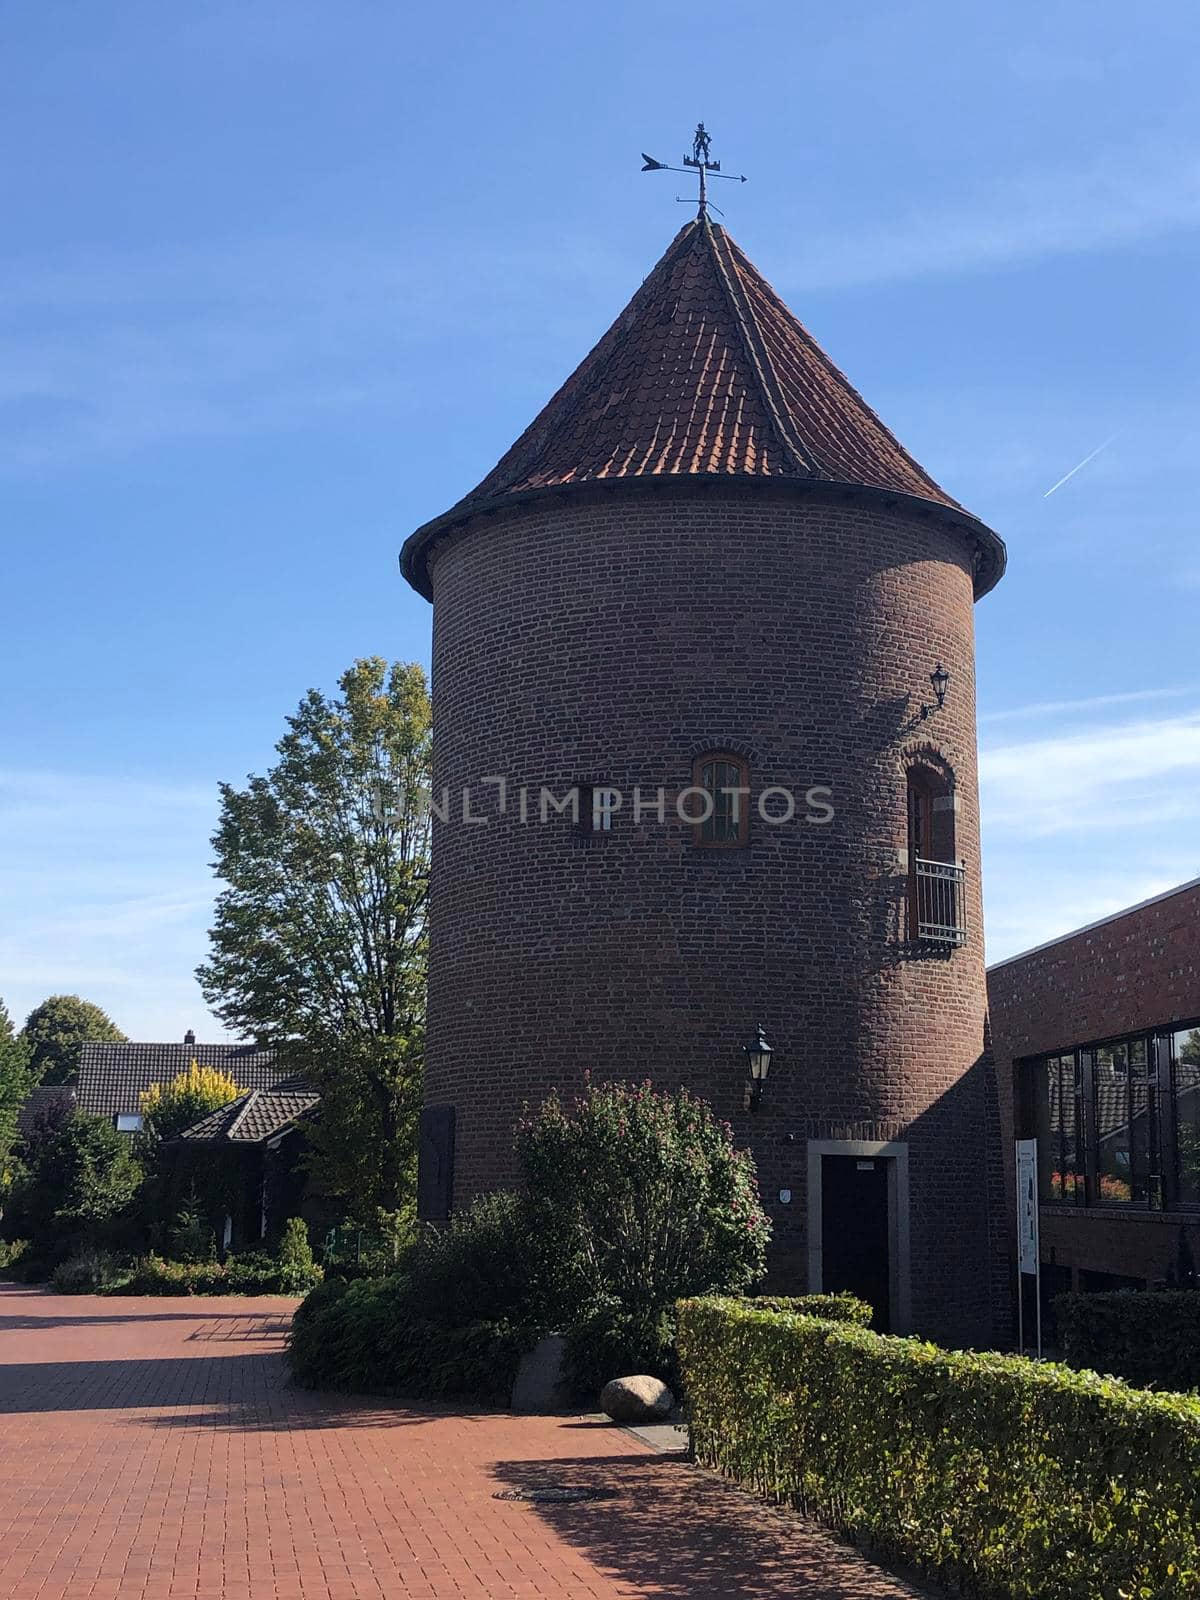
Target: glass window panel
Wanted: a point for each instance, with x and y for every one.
(1114, 1164)
(1048, 1126)
(1139, 1140)
(1187, 1113)
(1072, 1128)
(723, 824)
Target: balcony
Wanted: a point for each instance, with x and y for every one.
(938, 903)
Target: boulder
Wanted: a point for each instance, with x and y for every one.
(639, 1399)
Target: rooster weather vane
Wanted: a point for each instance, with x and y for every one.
(699, 162)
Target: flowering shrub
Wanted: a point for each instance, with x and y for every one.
(649, 1202)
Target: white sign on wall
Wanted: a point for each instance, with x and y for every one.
(1029, 1253)
(1027, 1204)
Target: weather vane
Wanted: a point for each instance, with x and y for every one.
(698, 162)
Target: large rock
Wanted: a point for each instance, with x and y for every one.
(541, 1384)
(638, 1399)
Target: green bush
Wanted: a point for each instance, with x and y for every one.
(372, 1336)
(294, 1249)
(610, 1340)
(88, 1272)
(253, 1273)
(631, 1199)
(647, 1201)
(12, 1251)
(1013, 1479)
(1151, 1338)
(500, 1259)
(839, 1307)
(192, 1239)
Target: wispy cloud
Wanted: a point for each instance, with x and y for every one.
(1124, 195)
(1085, 821)
(119, 352)
(105, 891)
(1091, 703)
(1119, 777)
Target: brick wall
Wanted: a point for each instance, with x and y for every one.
(1139, 970)
(611, 637)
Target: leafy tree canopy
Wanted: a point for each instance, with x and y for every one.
(17, 1078)
(169, 1108)
(319, 940)
(82, 1175)
(57, 1031)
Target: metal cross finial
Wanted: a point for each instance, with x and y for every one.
(699, 162)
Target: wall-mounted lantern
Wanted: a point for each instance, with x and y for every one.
(758, 1057)
(940, 679)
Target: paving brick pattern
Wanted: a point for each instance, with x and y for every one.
(151, 1449)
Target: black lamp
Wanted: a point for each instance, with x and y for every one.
(758, 1055)
(940, 679)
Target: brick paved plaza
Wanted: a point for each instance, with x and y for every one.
(151, 1449)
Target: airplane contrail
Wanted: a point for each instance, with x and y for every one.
(1078, 468)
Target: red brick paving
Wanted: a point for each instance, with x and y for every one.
(151, 1450)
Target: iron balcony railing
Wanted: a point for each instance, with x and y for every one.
(939, 902)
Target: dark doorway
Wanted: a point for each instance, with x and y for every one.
(854, 1231)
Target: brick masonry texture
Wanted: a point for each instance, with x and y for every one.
(1138, 970)
(153, 1450)
(610, 638)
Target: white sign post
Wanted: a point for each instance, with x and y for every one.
(1029, 1254)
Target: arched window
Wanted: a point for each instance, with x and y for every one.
(930, 814)
(720, 800)
(936, 902)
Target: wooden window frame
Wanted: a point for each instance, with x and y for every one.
(742, 764)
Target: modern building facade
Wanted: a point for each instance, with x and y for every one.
(709, 595)
(1097, 1044)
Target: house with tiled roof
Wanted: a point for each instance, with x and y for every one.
(255, 1147)
(43, 1103)
(113, 1077)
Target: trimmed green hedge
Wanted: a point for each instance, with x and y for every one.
(839, 1307)
(1017, 1480)
(1151, 1338)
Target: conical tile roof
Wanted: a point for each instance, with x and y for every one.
(706, 374)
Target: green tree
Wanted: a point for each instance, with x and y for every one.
(82, 1180)
(57, 1031)
(17, 1078)
(319, 941)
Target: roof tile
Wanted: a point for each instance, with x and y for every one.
(706, 372)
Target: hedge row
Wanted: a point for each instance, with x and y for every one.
(1014, 1479)
(252, 1273)
(1146, 1338)
(836, 1307)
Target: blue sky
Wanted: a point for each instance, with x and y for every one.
(280, 281)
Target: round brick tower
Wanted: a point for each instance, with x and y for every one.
(704, 593)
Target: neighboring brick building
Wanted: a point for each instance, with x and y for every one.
(708, 566)
(1097, 1044)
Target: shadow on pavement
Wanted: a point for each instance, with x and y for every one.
(683, 1533)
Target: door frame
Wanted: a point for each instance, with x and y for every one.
(895, 1153)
